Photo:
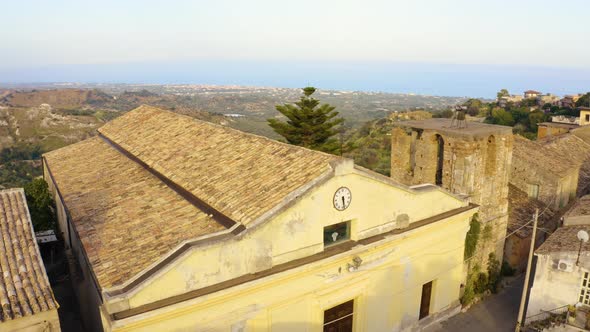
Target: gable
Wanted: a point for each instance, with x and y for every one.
(296, 232)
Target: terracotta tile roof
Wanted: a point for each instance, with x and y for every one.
(126, 218)
(583, 133)
(564, 239)
(521, 209)
(241, 175)
(24, 287)
(557, 155)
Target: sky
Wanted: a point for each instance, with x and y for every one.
(364, 45)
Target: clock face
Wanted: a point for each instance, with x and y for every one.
(342, 198)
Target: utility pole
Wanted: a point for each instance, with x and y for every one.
(525, 289)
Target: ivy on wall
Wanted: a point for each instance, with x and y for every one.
(472, 236)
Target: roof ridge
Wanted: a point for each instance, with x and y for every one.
(227, 128)
(217, 215)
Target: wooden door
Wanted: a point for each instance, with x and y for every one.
(425, 300)
(339, 318)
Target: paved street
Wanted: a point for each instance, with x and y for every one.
(496, 313)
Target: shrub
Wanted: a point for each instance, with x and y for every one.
(506, 270)
(481, 283)
(468, 294)
(472, 237)
(40, 205)
(493, 272)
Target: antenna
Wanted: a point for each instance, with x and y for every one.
(583, 236)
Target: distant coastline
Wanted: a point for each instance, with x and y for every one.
(407, 78)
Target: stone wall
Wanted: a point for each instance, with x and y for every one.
(548, 130)
(475, 165)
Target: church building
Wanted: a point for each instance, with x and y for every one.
(177, 224)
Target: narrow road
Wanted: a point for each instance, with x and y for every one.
(496, 313)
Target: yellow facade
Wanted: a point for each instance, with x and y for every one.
(424, 233)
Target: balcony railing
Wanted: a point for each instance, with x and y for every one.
(547, 319)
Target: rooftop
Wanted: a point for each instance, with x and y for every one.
(474, 129)
(24, 289)
(559, 125)
(564, 239)
(580, 208)
(154, 179)
(557, 155)
(521, 209)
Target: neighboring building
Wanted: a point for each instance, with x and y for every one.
(562, 273)
(555, 128)
(549, 170)
(547, 99)
(474, 161)
(562, 124)
(504, 100)
(26, 299)
(178, 224)
(571, 120)
(531, 94)
(521, 209)
(584, 116)
(569, 101)
(579, 214)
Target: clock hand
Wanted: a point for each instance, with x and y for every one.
(343, 203)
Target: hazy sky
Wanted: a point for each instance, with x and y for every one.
(539, 32)
(37, 34)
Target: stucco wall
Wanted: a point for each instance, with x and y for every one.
(386, 289)
(553, 288)
(297, 232)
(545, 131)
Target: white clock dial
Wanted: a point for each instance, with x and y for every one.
(342, 198)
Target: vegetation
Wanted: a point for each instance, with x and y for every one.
(308, 124)
(472, 236)
(494, 275)
(20, 152)
(506, 270)
(480, 282)
(370, 146)
(40, 204)
(502, 93)
(19, 165)
(584, 101)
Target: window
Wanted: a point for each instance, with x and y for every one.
(336, 233)
(425, 300)
(339, 318)
(585, 291)
(587, 117)
(534, 191)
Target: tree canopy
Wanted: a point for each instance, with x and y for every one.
(502, 93)
(584, 101)
(40, 204)
(309, 123)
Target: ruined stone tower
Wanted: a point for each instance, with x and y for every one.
(473, 161)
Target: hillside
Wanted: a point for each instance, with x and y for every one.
(39, 119)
